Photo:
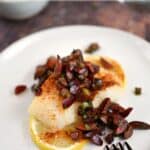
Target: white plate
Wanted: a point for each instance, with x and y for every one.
(18, 62)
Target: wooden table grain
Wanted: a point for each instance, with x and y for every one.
(134, 18)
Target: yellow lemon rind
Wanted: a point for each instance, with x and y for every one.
(45, 146)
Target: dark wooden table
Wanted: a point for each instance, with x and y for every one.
(130, 17)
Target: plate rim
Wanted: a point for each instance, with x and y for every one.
(24, 41)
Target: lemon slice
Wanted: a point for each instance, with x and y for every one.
(45, 141)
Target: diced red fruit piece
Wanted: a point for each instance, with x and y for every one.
(20, 89)
(140, 125)
(126, 112)
(117, 119)
(109, 138)
(116, 108)
(51, 62)
(75, 135)
(40, 70)
(121, 127)
(77, 54)
(105, 63)
(67, 102)
(96, 139)
(58, 67)
(128, 132)
(92, 68)
(104, 105)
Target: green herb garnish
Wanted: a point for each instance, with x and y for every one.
(138, 91)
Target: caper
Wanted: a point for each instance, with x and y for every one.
(138, 91)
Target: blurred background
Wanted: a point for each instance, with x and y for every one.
(19, 19)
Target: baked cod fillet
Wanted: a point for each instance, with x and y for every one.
(47, 108)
